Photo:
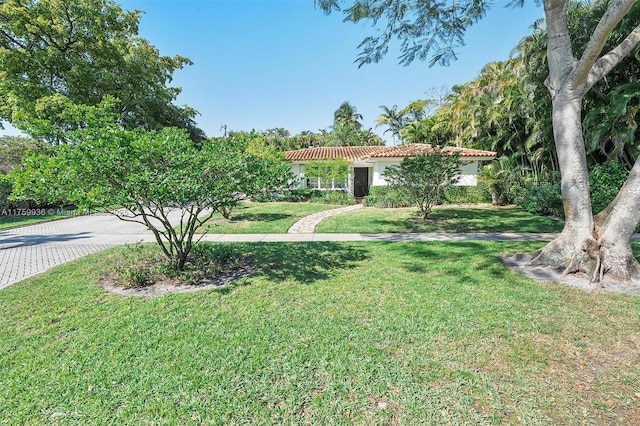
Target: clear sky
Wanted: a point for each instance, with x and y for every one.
(260, 64)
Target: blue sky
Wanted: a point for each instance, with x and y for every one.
(261, 64)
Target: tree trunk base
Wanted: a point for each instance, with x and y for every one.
(590, 265)
(593, 257)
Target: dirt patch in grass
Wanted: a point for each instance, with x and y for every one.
(168, 285)
(520, 264)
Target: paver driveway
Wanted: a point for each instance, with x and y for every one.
(29, 250)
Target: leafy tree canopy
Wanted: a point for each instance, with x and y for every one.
(149, 174)
(425, 29)
(13, 149)
(59, 52)
(345, 131)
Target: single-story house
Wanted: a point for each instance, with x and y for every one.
(368, 163)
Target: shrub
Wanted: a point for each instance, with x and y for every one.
(331, 197)
(138, 266)
(6, 187)
(543, 198)
(466, 194)
(143, 265)
(424, 178)
(208, 261)
(293, 195)
(386, 197)
(136, 175)
(605, 180)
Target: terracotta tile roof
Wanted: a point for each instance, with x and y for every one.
(349, 153)
(361, 153)
(415, 149)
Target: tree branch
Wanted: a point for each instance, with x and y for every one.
(606, 63)
(615, 12)
(622, 215)
(12, 39)
(559, 52)
(145, 222)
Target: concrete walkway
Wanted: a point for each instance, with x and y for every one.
(307, 225)
(30, 250)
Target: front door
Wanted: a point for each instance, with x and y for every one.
(360, 182)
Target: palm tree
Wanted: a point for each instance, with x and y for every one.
(347, 115)
(370, 138)
(417, 110)
(393, 118)
(418, 132)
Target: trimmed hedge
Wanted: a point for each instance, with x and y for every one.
(386, 197)
(455, 194)
(331, 197)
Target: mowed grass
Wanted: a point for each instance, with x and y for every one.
(441, 219)
(263, 218)
(324, 333)
(7, 221)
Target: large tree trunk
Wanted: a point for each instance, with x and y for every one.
(615, 226)
(569, 251)
(594, 246)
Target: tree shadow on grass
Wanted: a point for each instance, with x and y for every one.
(399, 225)
(489, 220)
(259, 217)
(464, 261)
(468, 220)
(305, 262)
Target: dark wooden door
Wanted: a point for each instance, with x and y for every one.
(360, 182)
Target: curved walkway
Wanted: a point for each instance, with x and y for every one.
(307, 225)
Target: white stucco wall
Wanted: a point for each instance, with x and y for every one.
(468, 175)
(378, 171)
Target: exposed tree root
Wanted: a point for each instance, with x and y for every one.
(595, 263)
(521, 263)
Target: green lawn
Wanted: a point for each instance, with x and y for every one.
(263, 218)
(23, 220)
(442, 219)
(325, 334)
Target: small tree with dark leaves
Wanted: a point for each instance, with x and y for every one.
(424, 178)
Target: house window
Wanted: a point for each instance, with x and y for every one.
(327, 174)
(326, 184)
